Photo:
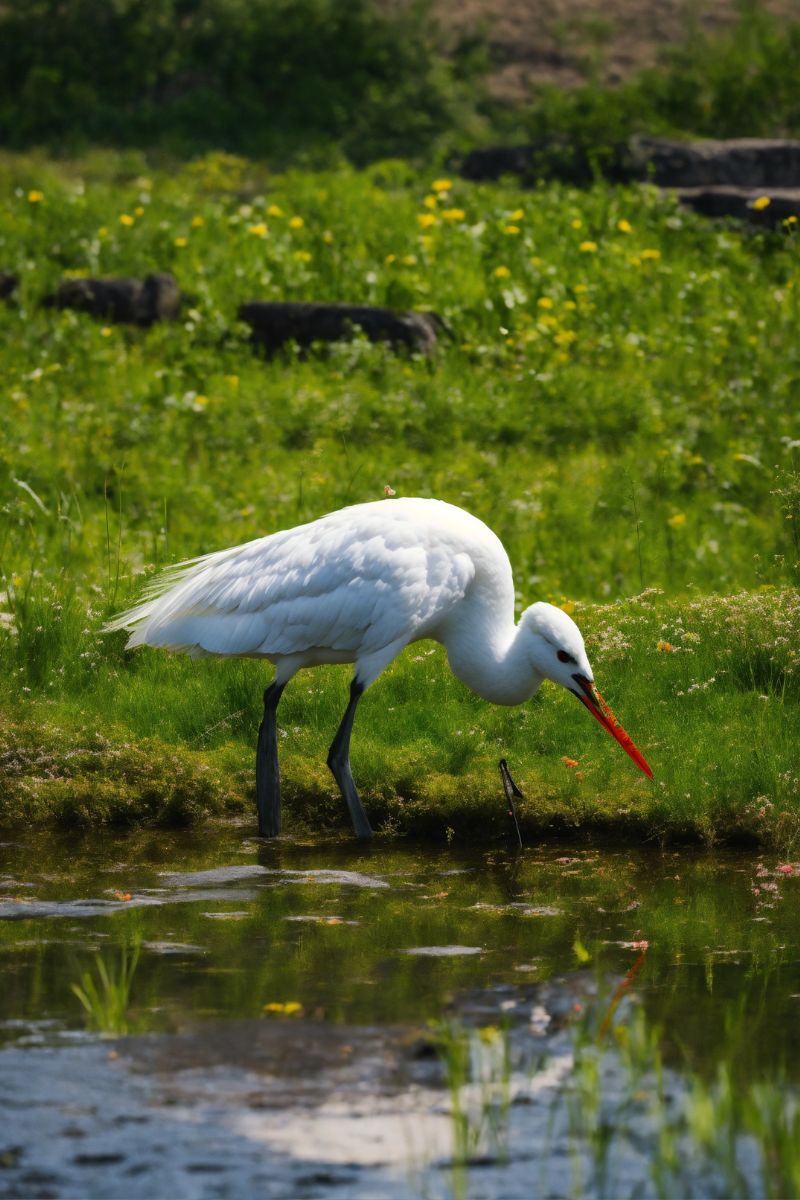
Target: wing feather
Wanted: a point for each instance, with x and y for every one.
(355, 581)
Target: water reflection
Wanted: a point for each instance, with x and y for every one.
(369, 935)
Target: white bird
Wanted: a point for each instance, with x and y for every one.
(357, 586)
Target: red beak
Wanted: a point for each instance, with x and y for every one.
(591, 699)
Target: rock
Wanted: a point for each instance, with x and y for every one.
(9, 282)
(156, 298)
(276, 323)
(736, 162)
(550, 158)
(743, 203)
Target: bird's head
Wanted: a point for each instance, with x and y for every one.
(558, 653)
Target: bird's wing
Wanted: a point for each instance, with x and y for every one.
(353, 582)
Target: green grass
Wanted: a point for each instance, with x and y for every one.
(618, 400)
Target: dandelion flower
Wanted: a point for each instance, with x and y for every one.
(296, 222)
(106, 331)
(302, 256)
(139, 210)
(517, 214)
(102, 231)
(441, 185)
(275, 210)
(431, 201)
(197, 222)
(502, 272)
(233, 380)
(652, 255)
(577, 223)
(761, 203)
(258, 230)
(327, 236)
(35, 196)
(565, 337)
(181, 241)
(790, 220)
(125, 219)
(425, 220)
(409, 260)
(454, 214)
(511, 230)
(544, 302)
(624, 226)
(588, 247)
(390, 258)
(580, 289)
(676, 520)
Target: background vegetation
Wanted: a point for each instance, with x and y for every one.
(617, 397)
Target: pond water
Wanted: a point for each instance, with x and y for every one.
(300, 978)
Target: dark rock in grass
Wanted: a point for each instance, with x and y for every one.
(135, 301)
(744, 204)
(735, 162)
(276, 323)
(550, 158)
(9, 282)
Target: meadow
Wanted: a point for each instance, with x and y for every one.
(617, 396)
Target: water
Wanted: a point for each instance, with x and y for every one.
(317, 966)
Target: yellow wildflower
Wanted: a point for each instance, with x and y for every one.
(676, 520)
(181, 241)
(274, 210)
(296, 222)
(651, 254)
(288, 1009)
(511, 229)
(200, 401)
(454, 214)
(544, 302)
(125, 219)
(624, 226)
(409, 260)
(636, 261)
(588, 247)
(102, 232)
(580, 288)
(233, 380)
(567, 606)
(327, 236)
(665, 647)
(790, 220)
(35, 196)
(106, 331)
(565, 337)
(259, 229)
(139, 210)
(570, 305)
(197, 222)
(390, 258)
(761, 203)
(441, 185)
(431, 201)
(302, 256)
(517, 214)
(425, 220)
(502, 272)
(577, 223)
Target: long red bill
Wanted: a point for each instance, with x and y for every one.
(607, 719)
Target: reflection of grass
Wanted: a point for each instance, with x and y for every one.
(699, 1135)
(478, 1073)
(105, 994)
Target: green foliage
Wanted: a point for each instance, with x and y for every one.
(105, 995)
(739, 84)
(278, 77)
(617, 401)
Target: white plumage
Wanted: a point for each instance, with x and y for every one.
(357, 586)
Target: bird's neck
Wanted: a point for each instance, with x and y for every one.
(494, 662)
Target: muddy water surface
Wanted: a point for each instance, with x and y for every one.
(278, 1022)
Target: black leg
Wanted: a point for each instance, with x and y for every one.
(339, 763)
(268, 779)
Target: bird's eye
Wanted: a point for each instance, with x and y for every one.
(564, 657)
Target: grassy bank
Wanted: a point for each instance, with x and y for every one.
(618, 400)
